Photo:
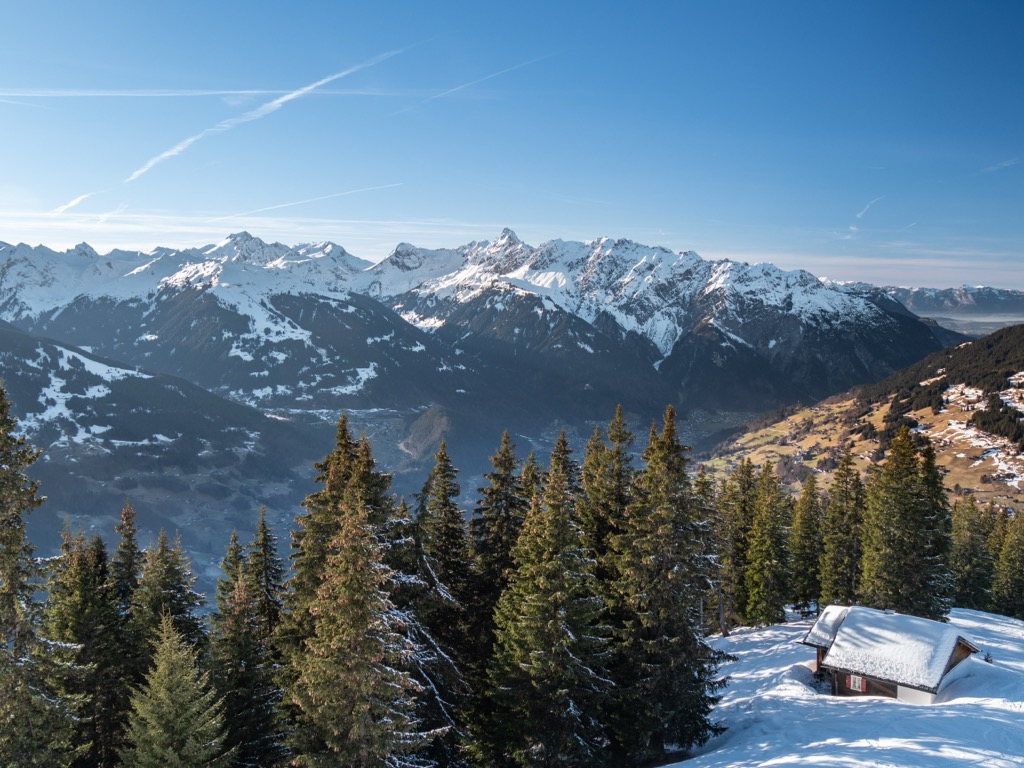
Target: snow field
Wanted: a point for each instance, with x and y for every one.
(777, 714)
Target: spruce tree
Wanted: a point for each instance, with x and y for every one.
(902, 566)
(126, 563)
(166, 587)
(664, 673)
(1008, 584)
(264, 573)
(37, 720)
(440, 531)
(767, 572)
(736, 502)
(606, 481)
(242, 665)
(354, 696)
(839, 565)
(547, 684)
(805, 547)
(311, 540)
(81, 615)
(495, 526)
(971, 563)
(442, 610)
(176, 718)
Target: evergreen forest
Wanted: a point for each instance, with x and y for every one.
(562, 621)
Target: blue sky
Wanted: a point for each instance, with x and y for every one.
(877, 141)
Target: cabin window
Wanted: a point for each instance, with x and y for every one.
(855, 683)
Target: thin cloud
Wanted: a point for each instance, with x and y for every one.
(1001, 166)
(301, 202)
(261, 111)
(868, 206)
(470, 84)
(71, 203)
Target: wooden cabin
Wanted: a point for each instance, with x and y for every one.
(866, 652)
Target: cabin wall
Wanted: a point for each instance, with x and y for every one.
(845, 684)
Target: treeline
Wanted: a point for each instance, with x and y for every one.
(889, 540)
(559, 625)
(562, 623)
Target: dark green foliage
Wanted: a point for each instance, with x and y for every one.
(905, 537)
(176, 718)
(354, 699)
(495, 526)
(443, 606)
(736, 505)
(126, 564)
(242, 655)
(606, 480)
(971, 563)
(1008, 585)
(547, 684)
(805, 546)
(767, 570)
(37, 719)
(1000, 419)
(839, 566)
(663, 671)
(81, 613)
(166, 588)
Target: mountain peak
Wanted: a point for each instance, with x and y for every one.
(507, 238)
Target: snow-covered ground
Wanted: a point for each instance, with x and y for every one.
(778, 716)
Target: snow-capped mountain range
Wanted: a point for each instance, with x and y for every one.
(464, 341)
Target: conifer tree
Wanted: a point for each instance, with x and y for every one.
(37, 720)
(971, 563)
(317, 528)
(839, 565)
(126, 563)
(663, 670)
(81, 615)
(606, 480)
(444, 545)
(531, 478)
(805, 546)
(1008, 584)
(354, 695)
(736, 502)
(176, 718)
(767, 558)
(264, 573)
(495, 526)
(901, 567)
(242, 664)
(547, 683)
(938, 521)
(712, 608)
(166, 587)
(441, 609)
(311, 538)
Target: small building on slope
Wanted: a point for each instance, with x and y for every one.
(867, 652)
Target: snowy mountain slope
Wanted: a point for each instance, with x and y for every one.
(699, 326)
(108, 431)
(777, 715)
(261, 323)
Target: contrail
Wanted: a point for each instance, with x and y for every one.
(301, 202)
(255, 114)
(866, 207)
(71, 204)
(476, 82)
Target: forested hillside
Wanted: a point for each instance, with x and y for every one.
(563, 620)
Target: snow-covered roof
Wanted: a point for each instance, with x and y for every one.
(823, 632)
(906, 650)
